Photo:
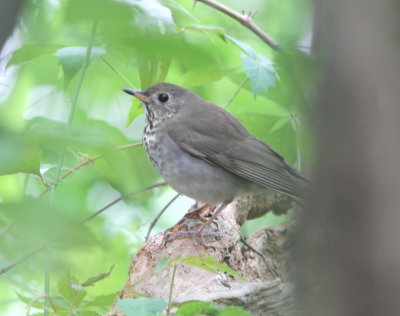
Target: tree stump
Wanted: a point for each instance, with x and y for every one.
(268, 290)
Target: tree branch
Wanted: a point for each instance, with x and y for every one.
(246, 20)
(122, 197)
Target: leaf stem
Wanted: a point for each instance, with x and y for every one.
(47, 270)
(83, 73)
(236, 92)
(171, 287)
(117, 72)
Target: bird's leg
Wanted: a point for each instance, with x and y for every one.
(214, 216)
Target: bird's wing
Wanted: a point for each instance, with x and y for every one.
(238, 152)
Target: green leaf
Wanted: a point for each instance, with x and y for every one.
(166, 262)
(162, 264)
(199, 77)
(102, 300)
(234, 311)
(92, 280)
(153, 19)
(208, 263)
(70, 289)
(71, 59)
(261, 73)
(244, 47)
(154, 16)
(205, 29)
(180, 8)
(153, 68)
(209, 309)
(103, 10)
(135, 110)
(259, 70)
(31, 51)
(197, 308)
(19, 154)
(31, 301)
(141, 306)
(279, 124)
(264, 107)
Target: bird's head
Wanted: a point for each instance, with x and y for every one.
(163, 99)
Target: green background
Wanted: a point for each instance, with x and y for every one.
(59, 106)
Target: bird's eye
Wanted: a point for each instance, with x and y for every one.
(163, 97)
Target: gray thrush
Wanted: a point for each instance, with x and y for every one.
(203, 152)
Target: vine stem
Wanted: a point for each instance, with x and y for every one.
(76, 93)
(236, 92)
(171, 287)
(117, 72)
(61, 163)
(83, 73)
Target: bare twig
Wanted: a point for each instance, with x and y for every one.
(28, 255)
(159, 215)
(246, 20)
(41, 248)
(121, 198)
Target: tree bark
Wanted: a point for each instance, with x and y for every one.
(350, 259)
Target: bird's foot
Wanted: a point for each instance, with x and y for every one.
(193, 225)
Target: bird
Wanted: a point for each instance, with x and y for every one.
(202, 151)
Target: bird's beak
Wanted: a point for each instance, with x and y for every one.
(137, 94)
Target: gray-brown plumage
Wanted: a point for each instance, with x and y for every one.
(202, 151)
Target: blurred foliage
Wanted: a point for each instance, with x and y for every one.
(61, 105)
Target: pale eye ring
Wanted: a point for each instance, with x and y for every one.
(163, 97)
